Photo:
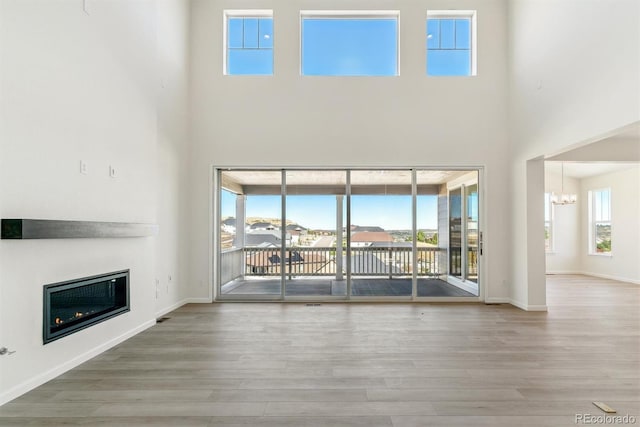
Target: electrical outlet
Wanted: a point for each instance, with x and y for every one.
(84, 169)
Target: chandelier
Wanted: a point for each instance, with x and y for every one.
(563, 198)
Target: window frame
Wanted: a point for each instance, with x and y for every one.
(594, 222)
(349, 14)
(241, 13)
(473, 32)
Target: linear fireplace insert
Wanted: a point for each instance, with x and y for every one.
(77, 304)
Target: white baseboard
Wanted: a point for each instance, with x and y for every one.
(172, 307)
(497, 300)
(527, 307)
(607, 276)
(38, 380)
(563, 272)
(199, 300)
(602, 276)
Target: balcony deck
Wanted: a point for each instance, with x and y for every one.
(361, 287)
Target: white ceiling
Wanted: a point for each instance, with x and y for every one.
(581, 170)
(334, 177)
(614, 153)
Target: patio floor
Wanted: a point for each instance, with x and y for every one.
(330, 287)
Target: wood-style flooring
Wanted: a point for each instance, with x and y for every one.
(362, 364)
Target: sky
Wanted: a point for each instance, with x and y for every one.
(348, 47)
(319, 212)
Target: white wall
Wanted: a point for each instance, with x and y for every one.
(84, 86)
(625, 226)
(289, 120)
(567, 85)
(173, 195)
(564, 256)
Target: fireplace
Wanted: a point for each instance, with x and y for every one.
(77, 304)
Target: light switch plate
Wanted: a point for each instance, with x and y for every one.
(112, 172)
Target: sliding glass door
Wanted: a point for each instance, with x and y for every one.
(346, 234)
(464, 235)
(315, 214)
(381, 233)
(250, 234)
(455, 233)
(472, 236)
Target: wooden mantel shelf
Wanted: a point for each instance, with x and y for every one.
(57, 229)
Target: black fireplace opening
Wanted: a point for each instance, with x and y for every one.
(77, 304)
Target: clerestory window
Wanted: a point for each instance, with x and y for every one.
(248, 42)
(349, 43)
(451, 43)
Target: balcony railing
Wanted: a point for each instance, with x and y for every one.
(316, 261)
(455, 261)
(231, 265)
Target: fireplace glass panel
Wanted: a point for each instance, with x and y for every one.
(75, 305)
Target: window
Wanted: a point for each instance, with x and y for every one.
(349, 43)
(600, 221)
(248, 43)
(548, 223)
(450, 43)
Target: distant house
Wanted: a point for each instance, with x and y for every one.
(391, 245)
(366, 229)
(262, 226)
(296, 227)
(368, 238)
(296, 231)
(229, 225)
(265, 238)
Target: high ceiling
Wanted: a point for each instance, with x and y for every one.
(616, 152)
(587, 169)
(338, 177)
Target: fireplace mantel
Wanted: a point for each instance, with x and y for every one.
(57, 229)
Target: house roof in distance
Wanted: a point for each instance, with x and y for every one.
(262, 226)
(296, 227)
(366, 229)
(371, 236)
(229, 221)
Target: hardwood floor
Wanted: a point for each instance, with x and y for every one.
(289, 364)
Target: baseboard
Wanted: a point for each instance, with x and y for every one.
(527, 307)
(563, 272)
(199, 300)
(32, 383)
(616, 278)
(497, 300)
(172, 307)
